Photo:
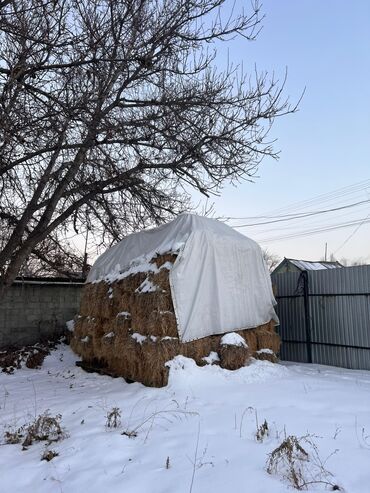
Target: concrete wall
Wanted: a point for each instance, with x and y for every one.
(31, 311)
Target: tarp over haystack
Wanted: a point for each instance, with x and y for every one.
(219, 281)
(175, 290)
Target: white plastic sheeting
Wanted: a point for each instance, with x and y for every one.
(219, 282)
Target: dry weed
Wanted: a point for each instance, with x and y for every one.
(262, 431)
(49, 455)
(113, 418)
(43, 428)
(301, 466)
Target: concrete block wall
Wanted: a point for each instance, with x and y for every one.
(32, 311)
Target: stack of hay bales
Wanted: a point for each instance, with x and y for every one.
(127, 327)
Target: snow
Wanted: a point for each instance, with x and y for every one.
(70, 324)
(146, 287)
(211, 358)
(109, 335)
(233, 339)
(141, 338)
(124, 314)
(265, 351)
(202, 425)
(140, 264)
(138, 337)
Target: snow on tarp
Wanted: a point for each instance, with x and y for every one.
(219, 281)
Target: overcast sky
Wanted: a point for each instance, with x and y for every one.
(325, 146)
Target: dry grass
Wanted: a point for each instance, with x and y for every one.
(289, 460)
(297, 461)
(111, 313)
(113, 418)
(262, 431)
(44, 428)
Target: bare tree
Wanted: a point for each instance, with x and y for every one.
(55, 256)
(352, 262)
(111, 109)
(271, 259)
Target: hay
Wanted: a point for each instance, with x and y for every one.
(142, 361)
(266, 355)
(250, 337)
(233, 357)
(268, 340)
(111, 314)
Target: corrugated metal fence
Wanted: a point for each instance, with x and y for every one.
(325, 316)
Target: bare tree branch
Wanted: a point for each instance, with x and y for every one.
(111, 109)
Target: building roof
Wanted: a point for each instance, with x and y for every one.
(310, 265)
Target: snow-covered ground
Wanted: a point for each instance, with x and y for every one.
(195, 435)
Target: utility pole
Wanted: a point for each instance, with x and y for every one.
(326, 251)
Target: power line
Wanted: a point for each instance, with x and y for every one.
(327, 197)
(352, 234)
(303, 215)
(298, 211)
(322, 220)
(317, 230)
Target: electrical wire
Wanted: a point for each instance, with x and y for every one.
(352, 234)
(327, 197)
(317, 230)
(316, 220)
(304, 214)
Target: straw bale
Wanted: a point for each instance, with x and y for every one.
(92, 294)
(160, 323)
(271, 326)
(233, 357)
(123, 299)
(250, 337)
(145, 362)
(131, 283)
(159, 260)
(153, 314)
(122, 322)
(161, 280)
(266, 356)
(83, 349)
(270, 340)
(119, 309)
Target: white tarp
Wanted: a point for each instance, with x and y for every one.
(219, 282)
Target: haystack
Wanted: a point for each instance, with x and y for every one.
(128, 325)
